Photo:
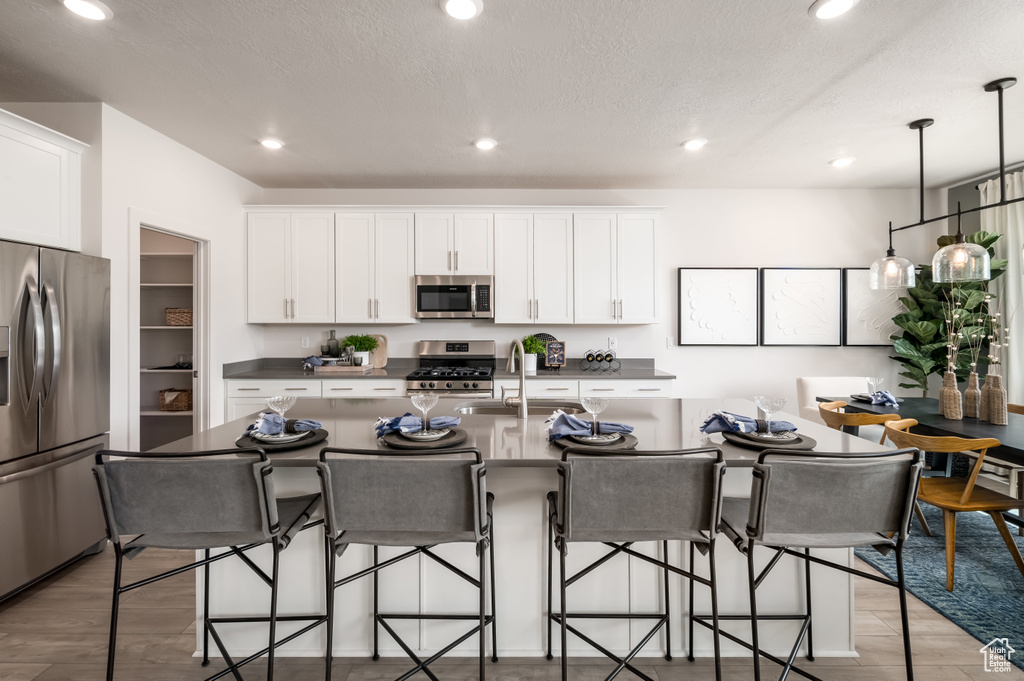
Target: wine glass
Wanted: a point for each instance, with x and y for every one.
(425, 402)
(594, 406)
(279, 405)
(769, 405)
(874, 384)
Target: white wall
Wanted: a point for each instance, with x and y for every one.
(728, 227)
(146, 171)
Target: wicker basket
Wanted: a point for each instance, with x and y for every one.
(178, 316)
(176, 399)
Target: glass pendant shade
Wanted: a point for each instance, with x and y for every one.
(961, 261)
(890, 272)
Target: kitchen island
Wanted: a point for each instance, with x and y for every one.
(521, 471)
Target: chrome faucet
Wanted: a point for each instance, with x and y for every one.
(520, 400)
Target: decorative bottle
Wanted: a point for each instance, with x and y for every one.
(332, 343)
(972, 397)
(951, 403)
(997, 401)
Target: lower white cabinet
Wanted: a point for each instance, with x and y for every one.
(540, 390)
(247, 396)
(626, 388)
(269, 388)
(362, 387)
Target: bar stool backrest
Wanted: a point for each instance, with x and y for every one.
(375, 490)
(821, 499)
(205, 497)
(639, 495)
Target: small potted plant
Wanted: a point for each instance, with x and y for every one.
(363, 344)
(533, 347)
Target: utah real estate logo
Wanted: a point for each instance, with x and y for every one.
(997, 655)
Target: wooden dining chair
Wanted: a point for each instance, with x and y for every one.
(835, 419)
(955, 495)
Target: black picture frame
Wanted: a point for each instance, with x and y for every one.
(852, 336)
(829, 312)
(746, 305)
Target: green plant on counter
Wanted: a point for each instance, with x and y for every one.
(533, 345)
(922, 346)
(361, 342)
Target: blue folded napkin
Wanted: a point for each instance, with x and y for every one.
(727, 422)
(313, 360)
(407, 423)
(884, 397)
(273, 424)
(563, 424)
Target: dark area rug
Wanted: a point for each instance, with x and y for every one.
(988, 600)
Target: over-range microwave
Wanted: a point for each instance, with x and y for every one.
(454, 297)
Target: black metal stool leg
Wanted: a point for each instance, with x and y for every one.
(565, 651)
(331, 558)
(716, 634)
(810, 621)
(668, 601)
(494, 601)
(753, 610)
(273, 610)
(376, 610)
(111, 645)
(693, 569)
(551, 549)
(483, 610)
(206, 609)
(904, 616)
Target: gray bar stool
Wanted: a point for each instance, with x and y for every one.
(619, 498)
(418, 499)
(200, 501)
(801, 501)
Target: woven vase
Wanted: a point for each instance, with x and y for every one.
(951, 404)
(997, 401)
(986, 399)
(972, 397)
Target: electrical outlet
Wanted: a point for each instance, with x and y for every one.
(613, 344)
(305, 341)
(670, 342)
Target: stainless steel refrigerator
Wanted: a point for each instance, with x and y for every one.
(54, 408)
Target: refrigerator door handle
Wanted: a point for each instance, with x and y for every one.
(38, 345)
(51, 305)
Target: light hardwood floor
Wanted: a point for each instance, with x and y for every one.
(57, 631)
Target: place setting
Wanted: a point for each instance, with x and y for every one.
(753, 433)
(875, 395)
(273, 432)
(414, 432)
(566, 430)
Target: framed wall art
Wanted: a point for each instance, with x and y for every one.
(801, 306)
(867, 314)
(718, 306)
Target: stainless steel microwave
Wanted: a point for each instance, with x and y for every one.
(454, 297)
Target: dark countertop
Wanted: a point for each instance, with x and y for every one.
(289, 368)
(505, 440)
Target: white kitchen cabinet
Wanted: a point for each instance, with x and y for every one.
(533, 268)
(304, 387)
(290, 268)
(626, 388)
(454, 243)
(615, 268)
(374, 268)
(362, 387)
(547, 389)
(40, 184)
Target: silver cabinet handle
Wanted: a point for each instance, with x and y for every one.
(245, 389)
(602, 390)
(449, 260)
(536, 308)
(456, 261)
(529, 308)
(293, 308)
(286, 308)
(383, 388)
(369, 308)
(649, 390)
(614, 311)
(620, 308)
(556, 388)
(377, 309)
(303, 389)
(342, 388)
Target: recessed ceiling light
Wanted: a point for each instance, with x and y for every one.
(462, 9)
(842, 162)
(90, 9)
(830, 9)
(695, 144)
(485, 143)
(271, 143)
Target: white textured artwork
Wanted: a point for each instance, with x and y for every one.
(717, 306)
(800, 307)
(869, 313)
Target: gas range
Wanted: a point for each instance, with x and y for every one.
(454, 368)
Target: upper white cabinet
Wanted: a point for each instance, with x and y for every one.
(40, 184)
(454, 243)
(290, 268)
(533, 268)
(615, 268)
(374, 268)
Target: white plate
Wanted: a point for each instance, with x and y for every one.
(426, 436)
(279, 438)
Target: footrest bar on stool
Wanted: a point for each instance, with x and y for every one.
(315, 621)
(623, 662)
(699, 619)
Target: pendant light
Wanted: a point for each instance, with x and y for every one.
(892, 271)
(961, 261)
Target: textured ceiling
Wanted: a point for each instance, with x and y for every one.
(578, 93)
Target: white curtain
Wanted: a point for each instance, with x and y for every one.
(1009, 288)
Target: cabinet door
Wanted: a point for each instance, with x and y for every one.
(434, 243)
(474, 243)
(268, 251)
(637, 271)
(354, 271)
(394, 265)
(513, 269)
(594, 268)
(552, 269)
(312, 268)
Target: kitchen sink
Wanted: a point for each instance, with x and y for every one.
(533, 407)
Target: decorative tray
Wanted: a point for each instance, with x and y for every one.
(311, 437)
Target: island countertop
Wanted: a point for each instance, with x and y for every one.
(505, 440)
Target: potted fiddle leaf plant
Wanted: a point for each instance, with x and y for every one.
(362, 344)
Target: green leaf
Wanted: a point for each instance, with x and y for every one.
(912, 317)
(969, 299)
(920, 294)
(999, 264)
(982, 238)
(905, 348)
(923, 331)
